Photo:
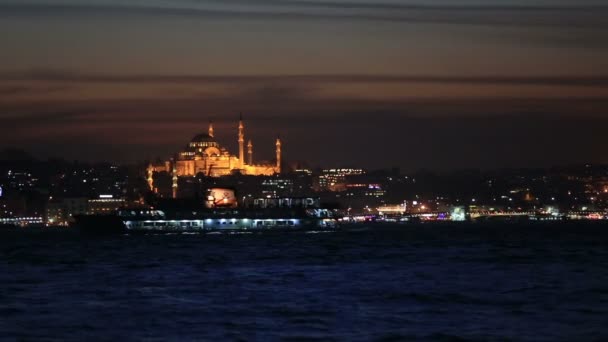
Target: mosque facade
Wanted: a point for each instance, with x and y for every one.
(203, 154)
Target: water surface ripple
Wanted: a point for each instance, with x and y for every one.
(474, 283)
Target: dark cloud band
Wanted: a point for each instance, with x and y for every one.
(67, 76)
(561, 16)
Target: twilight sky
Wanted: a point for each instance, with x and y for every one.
(438, 84)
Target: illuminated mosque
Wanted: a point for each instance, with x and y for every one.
(204, 155)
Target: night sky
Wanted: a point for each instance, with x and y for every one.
(435, 84)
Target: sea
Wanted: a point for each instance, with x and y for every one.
(391, 283)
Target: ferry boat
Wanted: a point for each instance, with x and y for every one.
(220, 212)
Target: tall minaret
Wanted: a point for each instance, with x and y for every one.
(278, 145)
(241, 142)
(174, 179)
(211, 129)
(150, 177)
(250, 153)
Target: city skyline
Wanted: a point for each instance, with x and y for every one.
(399, 83)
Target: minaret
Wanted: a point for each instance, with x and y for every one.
(211, 129)
(174, 185)
(150, 177)
(278, 145)
(249, 153)
(241, 142)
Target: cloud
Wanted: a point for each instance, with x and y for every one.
(590, 16)
(295, 109)
(42, 117)
(13, 90)
(17, 90)
(70, 76)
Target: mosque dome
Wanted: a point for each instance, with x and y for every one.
(201, 142)
(203, 137)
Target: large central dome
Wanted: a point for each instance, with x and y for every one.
(202, 141)
(203, 137)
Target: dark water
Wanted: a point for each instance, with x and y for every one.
(434, 283)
